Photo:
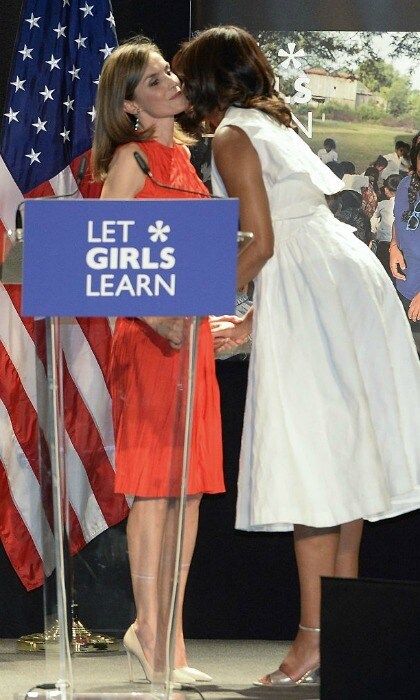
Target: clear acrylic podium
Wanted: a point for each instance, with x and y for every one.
(76, 453)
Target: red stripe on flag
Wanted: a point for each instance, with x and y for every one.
(76, 538)
(16, 539)
(22, 414)
(98, 334)
(87, 442)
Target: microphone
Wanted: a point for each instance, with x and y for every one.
(81, 172)
(141, 162)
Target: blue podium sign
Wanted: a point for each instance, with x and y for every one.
(130, 258)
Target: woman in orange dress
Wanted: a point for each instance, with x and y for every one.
(138, 98)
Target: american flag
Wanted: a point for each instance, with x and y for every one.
(47, 130)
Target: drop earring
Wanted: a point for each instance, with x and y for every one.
(137, 122)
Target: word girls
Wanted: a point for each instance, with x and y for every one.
(122, 257)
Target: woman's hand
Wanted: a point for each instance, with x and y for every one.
(169, 327)
(229, 331)
(414, 308)
(396, 258)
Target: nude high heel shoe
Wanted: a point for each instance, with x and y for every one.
(280, 678)
(195, 674)
(134, 650)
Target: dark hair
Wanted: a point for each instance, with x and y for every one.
(400, 144)
(335, 167)
(380, 161)
(414, 186)
(392, 182)
(373, 175)
(330, 143)
(372, 172)
(224, 66)
(347, 167)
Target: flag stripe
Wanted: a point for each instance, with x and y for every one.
(88, 444)
(82, 499)
(25, 491)
(88, 377)
(11, 196)
(16, 538)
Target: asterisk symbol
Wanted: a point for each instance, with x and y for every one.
(159, 232)
(292, 56)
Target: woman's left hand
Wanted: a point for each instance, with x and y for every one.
(414, 308)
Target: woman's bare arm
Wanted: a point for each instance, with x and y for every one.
(124, 179)
(240, 169)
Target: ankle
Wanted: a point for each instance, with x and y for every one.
(306, 628)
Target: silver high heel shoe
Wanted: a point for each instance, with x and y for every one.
(280, 678)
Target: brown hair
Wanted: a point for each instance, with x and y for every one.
(224, 66)
(119, 78)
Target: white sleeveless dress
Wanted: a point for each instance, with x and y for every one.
(332, 421)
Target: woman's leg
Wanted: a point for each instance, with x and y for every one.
(347, 558)
(192, 508)
(316, 553)
(145, 531)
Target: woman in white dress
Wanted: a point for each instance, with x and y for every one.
(332, 423)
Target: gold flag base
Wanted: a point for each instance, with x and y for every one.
(83, 640)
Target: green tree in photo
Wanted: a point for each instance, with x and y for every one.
(376, 74)
(398, 96)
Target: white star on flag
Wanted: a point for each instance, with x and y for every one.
(74, 72)
(26, 53)
(81, 41)
(111, 20)
(46, 93)
(60, 30)
(92, 113)
(11, 115)
(97, 80)
(53, 62)
(66, 2)
(69, 104)
(107, 50)
(33, 156)
(65, 134)
(18, 84)
(291, 56)
(33, 21)
(87, 10)
(39, 125)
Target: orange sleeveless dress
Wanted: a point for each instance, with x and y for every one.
(145, 373)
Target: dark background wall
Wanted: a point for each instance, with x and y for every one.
(242, 585)
(376, 15)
